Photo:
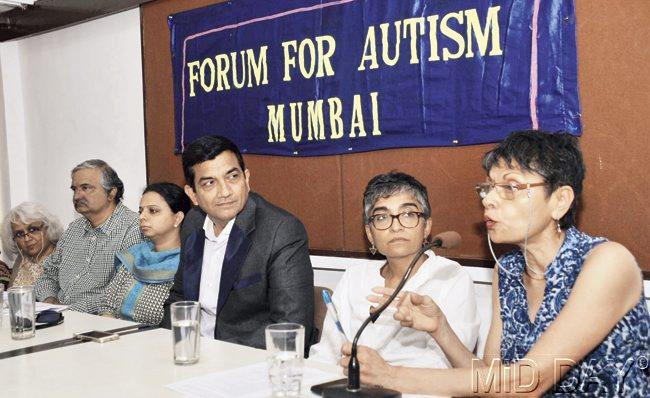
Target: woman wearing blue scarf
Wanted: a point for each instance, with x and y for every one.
(145, 272)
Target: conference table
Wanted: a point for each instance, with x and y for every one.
(138, 364)
(74, 322)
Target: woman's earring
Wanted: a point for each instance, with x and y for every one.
(175, 225)
(425, 241)
(559, 229)
(373, 249)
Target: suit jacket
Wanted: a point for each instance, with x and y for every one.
(266, 276)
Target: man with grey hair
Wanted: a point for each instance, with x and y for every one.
(82, 265)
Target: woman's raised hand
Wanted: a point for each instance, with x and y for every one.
(383, 293)
(413, 310)
(419, 312)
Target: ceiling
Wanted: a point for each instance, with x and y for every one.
(20, 18)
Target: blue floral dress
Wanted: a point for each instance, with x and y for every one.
(616, 367)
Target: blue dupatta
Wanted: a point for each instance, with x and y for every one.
(146, 266)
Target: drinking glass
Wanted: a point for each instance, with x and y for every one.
(186, 322)
(285, 344)
(21, 311)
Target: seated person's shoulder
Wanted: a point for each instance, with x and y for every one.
(267, 212)
(195, 215)
(126, 220)
(76, 224)
(193, 220)
(609, 280)
(447, 269)
(611, 261)
(127, 213)
(362, 270)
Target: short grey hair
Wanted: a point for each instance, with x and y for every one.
(108, 178)
(27, 213)
(393, 183)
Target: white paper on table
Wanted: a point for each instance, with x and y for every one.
(45, 306)
(38, 308)
(245, 382)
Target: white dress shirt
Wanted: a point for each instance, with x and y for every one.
(445, 281)
(214, 251)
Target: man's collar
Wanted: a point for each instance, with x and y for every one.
(107, 226)
(208, 228)
(245, 219)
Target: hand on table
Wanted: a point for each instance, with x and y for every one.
(52, 300)
(374, 370)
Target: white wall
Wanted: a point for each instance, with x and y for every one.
(4, 164)
(71, 95)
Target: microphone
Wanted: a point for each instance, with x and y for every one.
(446, 240)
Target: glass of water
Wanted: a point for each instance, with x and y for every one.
(285, 344)
(186, 321)
(22, 303)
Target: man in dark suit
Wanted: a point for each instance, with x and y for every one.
(245, 260)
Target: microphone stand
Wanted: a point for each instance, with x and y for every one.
(353, 387)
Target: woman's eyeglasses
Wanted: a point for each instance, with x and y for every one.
(31, 230)
(407, 219)
(505, 191)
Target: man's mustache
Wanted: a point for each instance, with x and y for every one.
(78, 202)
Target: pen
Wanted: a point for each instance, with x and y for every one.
(330, 307)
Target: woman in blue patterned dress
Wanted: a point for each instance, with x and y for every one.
(145, 272)
(569, 315)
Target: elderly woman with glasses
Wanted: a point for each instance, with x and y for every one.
(397, 223)
(569, 315)
(29, 234)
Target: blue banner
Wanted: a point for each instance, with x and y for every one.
(310, 77)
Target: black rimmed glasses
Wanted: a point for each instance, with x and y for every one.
(407, 219)
(505, 191)
(31, 230)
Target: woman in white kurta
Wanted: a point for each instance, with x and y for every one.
(396, 213)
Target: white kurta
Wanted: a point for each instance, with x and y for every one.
(445, 281)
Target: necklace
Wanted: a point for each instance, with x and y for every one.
(530, 271)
